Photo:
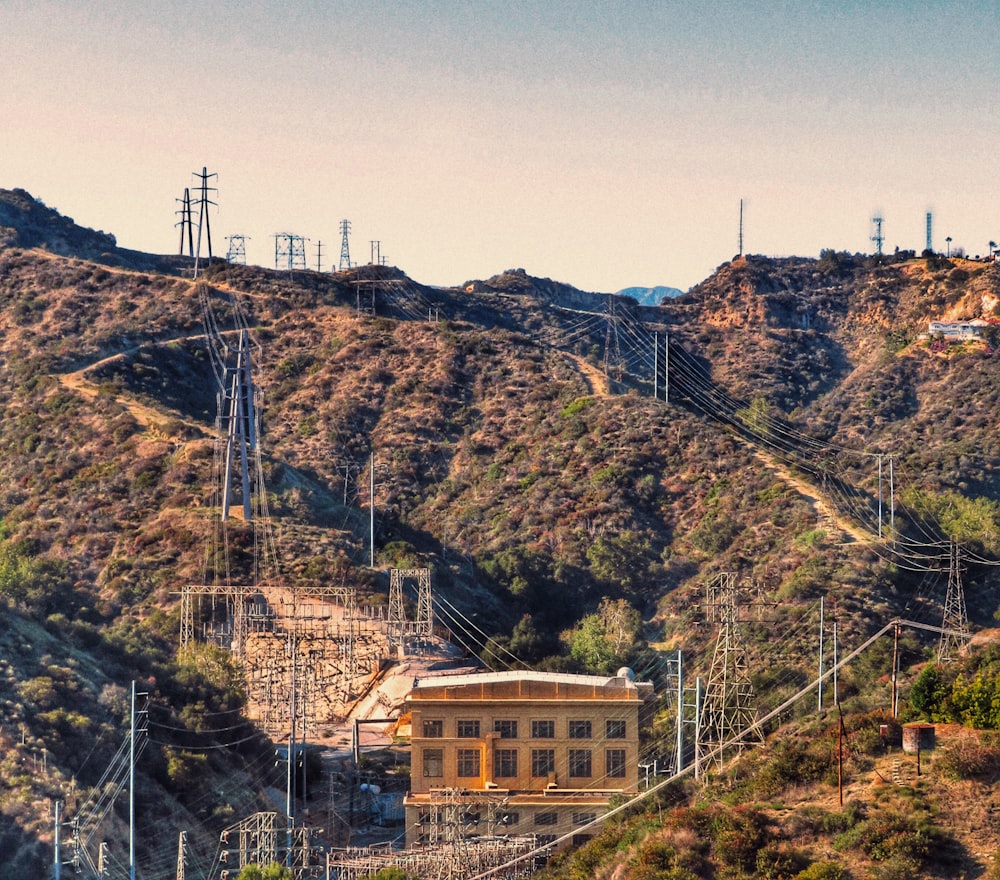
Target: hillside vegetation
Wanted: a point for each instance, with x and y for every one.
(566, 513)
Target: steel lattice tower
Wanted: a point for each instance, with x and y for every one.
(289, 251)
(237, 249)
(728, 710)
(955, 623)
(345, 250)
(930, 237)
(877, 236)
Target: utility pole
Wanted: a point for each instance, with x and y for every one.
(289, 794)
(680, 712)
(319, 256)
(57, 864)
(131, 790)
(880, 496)
(819, 706)
(895, 665)
(371, 508)
(836, 694)
(185, 223)
(739, 251)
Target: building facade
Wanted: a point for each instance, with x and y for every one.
(518, 753)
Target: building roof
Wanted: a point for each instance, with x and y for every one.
(557, 682)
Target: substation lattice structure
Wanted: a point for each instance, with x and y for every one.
(314, 647)
(728, 711)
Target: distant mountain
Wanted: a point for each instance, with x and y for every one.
(650, 296)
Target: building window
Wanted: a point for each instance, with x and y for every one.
(509, 820)
(543, 762)
(583, 818)
(468, 762)
(543, 729)
(468, 729)
(545, 839)
(506, 729)
(504, 763)
(580, 730)
(433, 762)
(615, 730)
(434, 729)
(614, 760)
(547, 818)
(579, 763)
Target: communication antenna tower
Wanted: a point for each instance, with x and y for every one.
(877, 236)
(345, 250)
(930, 237)
(185, 223)
(739, 250)
(955, 625)
(237, 252)
(728, 709)
(203, 203)
(289, 251)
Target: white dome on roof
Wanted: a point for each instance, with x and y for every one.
(626, 672)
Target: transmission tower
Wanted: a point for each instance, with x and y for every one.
(319, 256)
(612, 348)
(203, 203)
(241, 427)
(728, 709)
(345, 250)
(955, 624)
(181, 855)
(237, 252)
(877, 236)
(185, 223)
(289, 251)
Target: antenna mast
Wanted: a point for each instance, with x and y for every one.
(739, 252)
(877, 236)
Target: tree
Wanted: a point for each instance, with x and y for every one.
(603, 641)
(274, 871)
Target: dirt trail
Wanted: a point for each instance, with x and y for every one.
(147, 417)
(595, 379)
(825, 512)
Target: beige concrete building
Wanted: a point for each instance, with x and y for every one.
(517, 753)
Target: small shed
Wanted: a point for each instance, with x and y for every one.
(919, 737)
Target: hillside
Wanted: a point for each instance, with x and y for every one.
(519, 453)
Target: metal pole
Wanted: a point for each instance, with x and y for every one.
(131, 791)
(895, 665)
(836, 693)
(680, 712)
(289, 797)
(57, 864)
(697, 728)
(371, 510)
(822, 608)
(656, 365)
(892, 504)
(666, 367)
(880, 495)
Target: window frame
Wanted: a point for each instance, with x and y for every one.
(580, 759)
(580, 729)
(466, 759)
(615, 767)
(425, 763)
(505, 763)
(464, 725)
(549, 728)
(537, 763)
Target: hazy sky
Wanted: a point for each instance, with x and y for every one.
(604, 144)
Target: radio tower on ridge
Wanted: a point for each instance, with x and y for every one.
(877, 236)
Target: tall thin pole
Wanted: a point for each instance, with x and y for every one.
(289, 796)
(840, 756)
(895, 665)
(131, 791)
(666, 367)
(880, 495)
(822, 608)
(57, 864)
(656, 365)
(371, 509)
(892, 504)
(697, 728)
(680, 712)
(836, 693)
